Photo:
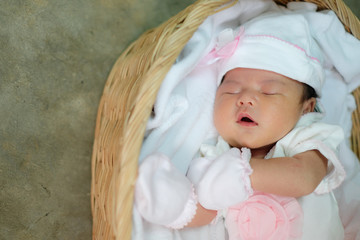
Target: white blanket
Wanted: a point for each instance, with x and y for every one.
(183, 109)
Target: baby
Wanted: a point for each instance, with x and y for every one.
(265, 107)
(273, 147)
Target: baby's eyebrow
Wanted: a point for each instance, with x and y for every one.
(229, 81)
(268, 81)
(273, 81)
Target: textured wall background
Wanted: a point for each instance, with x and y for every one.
(54, 59)
(354, 5)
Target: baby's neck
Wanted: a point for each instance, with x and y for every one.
(261, 152)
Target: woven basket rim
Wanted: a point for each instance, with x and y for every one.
(120, 127)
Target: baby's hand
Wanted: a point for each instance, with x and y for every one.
(163, 195)
(225, 181)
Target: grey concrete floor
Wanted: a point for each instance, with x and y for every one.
(354, 5)
(54, 59)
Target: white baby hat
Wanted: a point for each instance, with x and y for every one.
(276, 42)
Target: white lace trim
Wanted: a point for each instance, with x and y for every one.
(188, 213)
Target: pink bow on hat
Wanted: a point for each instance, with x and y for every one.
(223, 48)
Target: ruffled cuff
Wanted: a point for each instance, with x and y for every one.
(246, 154)
(188, 213)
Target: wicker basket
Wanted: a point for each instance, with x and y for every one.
(127, 101)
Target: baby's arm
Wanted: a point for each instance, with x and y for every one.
(289, 176)
(202, 217)
(232, 177)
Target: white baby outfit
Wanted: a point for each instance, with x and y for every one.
(321, 216)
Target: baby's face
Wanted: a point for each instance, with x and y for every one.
(255, 108)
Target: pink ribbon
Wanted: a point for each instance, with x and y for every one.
(222, 50)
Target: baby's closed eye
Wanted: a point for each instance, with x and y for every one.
(271, 87)
(271, 90)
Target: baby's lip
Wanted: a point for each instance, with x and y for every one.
(246, 120)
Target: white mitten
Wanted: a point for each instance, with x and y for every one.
(226, 181)
(197, 169)
(163, 195)
(199, 166)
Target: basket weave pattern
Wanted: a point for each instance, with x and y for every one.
(127, 101)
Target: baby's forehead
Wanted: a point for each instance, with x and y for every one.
(260, 81)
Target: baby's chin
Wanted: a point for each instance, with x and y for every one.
(241, 144)
(256, 150)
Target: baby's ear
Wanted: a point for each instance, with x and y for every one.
(309, 105)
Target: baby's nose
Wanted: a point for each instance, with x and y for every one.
(246, 103)
(246, 98)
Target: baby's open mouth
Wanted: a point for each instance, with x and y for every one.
(246, 120)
